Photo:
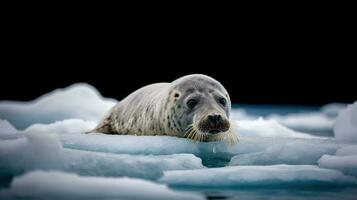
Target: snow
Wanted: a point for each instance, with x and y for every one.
(79, 100)
(45, 151)
(345, 127)
(36, 184)
(264, 176)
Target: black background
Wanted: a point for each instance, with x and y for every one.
(263, 60)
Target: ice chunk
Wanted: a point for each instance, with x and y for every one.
(332, 109)
(310, 122)
(80, 101)
(65, 126)
(347, 150)
(291, 152)
(44, 151)
(346, 164)
(265, 176)
(53, 185)
(345, 127)
(267, 128)
(6, 127)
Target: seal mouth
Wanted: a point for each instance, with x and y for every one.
(215, 131)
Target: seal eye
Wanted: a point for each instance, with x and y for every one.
(192, 103)
(222, 101)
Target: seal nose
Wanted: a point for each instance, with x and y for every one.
(215, 119)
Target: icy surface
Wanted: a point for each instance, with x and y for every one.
(345, 160)
(44, 151)
(345, 127)
(347, 164)
(77, 101)
(288, 152)
(347, 150)
(48, 134)
(35, 185)
(6, 127)
(266, 176)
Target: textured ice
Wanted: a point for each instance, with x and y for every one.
(265, 176)
(345, 160)
(345, 127)
(347, 164)
(288, 152)
(37, 185)
(44, 151)
(80, 101)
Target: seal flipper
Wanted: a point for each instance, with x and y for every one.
(104, 126)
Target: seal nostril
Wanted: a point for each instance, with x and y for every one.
(214, 118)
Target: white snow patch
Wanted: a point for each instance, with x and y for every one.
(52, 184)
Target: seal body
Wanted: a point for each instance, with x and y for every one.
(194, 106)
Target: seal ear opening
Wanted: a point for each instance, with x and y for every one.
(176, 95)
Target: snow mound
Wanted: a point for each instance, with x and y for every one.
(36, 184)
(255, 176)
(345, 127)
(79, 100)
(45, 151)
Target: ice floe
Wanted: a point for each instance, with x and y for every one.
(79, 100)
(265, 176)
(345, 127)
(45, 151)
(61, 185)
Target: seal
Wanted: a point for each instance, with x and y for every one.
(195, 106)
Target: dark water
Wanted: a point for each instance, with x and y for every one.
(327, 193)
